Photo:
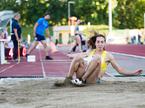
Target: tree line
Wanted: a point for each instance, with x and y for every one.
(126, 13)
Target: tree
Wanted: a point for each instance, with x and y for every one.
(94, 11)
(129, 14)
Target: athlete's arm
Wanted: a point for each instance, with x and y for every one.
(78, 41)
(81, 54)
(121, 70)
(34, 29)
(48, 34)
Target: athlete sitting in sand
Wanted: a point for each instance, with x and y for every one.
(92, 65)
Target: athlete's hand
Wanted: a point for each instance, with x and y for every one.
(50, 38)
(19, 40)
(138, 72)
(34, 34)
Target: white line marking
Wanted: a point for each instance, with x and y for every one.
(130, 55)
(123, 54)
(109, 74)
(42, 65)
(3, 70)
(56, 61)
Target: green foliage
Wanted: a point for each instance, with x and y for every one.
(129, 14)
(103, 29)
(94, 11)
(126, 13)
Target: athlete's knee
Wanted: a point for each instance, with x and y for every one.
(76, 65)
(77, 58)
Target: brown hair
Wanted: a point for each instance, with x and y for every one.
(100, 35)
(46, 13)
(92, 40)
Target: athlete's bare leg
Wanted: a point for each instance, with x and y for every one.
(32, 47)
(45, 47)
(76, 62)
(92, 70)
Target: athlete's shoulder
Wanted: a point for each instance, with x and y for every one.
(40, 20)
(109, 55)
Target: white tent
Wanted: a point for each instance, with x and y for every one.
(5, 17)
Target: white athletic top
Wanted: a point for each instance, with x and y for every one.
(87, 60)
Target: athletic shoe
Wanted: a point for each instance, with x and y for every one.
(48, 58)
(15, 60)
(78, 82)
(27, 55)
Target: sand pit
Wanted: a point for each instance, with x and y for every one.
(40, 93)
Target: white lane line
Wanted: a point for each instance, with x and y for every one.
(42, 65)
(56, 62)
(3, 70)
(123, 54)
(130, 55)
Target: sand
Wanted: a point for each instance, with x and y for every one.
(41, 93)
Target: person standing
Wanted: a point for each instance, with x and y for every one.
(40, 27)
(16, 35)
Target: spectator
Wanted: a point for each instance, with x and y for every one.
(16, 34)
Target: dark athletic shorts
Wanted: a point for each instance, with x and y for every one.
(39, 37)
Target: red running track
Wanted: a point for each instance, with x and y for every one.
(138, 50)
(59, 66)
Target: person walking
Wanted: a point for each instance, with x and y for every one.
(40, 27)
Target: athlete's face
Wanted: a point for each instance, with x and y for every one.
(18, 16)
(47, 17)
(100, 43)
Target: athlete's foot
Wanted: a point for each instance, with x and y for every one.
(67, 81)
(48, 58)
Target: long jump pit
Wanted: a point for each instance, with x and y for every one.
(21, 87)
